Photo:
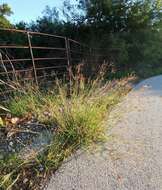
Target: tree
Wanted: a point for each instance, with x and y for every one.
(123, 15)
(5, 11)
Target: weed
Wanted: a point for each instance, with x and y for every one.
(79, 120)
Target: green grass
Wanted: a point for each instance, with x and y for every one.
(80, 121)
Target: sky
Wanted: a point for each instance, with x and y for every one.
(28, 10)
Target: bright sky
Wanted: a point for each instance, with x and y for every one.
(28, 10)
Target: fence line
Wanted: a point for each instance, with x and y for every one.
(35, 56)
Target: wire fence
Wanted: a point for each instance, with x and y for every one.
(40, 58)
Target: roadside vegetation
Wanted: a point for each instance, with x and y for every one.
(129, 32)
(75, 121)
(132, 28)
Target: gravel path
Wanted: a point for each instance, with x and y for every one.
(132, 158)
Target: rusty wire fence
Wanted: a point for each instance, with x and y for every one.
(39, 58)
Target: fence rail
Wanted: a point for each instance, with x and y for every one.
(35, 56)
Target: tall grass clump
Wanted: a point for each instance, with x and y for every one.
(77, 113)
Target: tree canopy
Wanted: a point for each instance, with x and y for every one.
(133, 26)
(5, 11)
(123, 15)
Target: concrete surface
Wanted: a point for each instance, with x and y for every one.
(132, 158)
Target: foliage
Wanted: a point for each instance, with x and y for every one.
(5, 10)
(131, 27)
(140, 52)
(79, 121)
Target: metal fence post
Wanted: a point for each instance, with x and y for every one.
(68, 54)
(32, 57)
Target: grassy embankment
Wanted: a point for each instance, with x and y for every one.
(79, 120)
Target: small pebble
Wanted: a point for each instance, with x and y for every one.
(11, 143)
(25, 180)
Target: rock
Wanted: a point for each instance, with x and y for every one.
(15, 120)
(25, 180)
(11, 143)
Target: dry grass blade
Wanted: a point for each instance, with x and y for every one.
(4, 109)
(13, 183)
(76, 121)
